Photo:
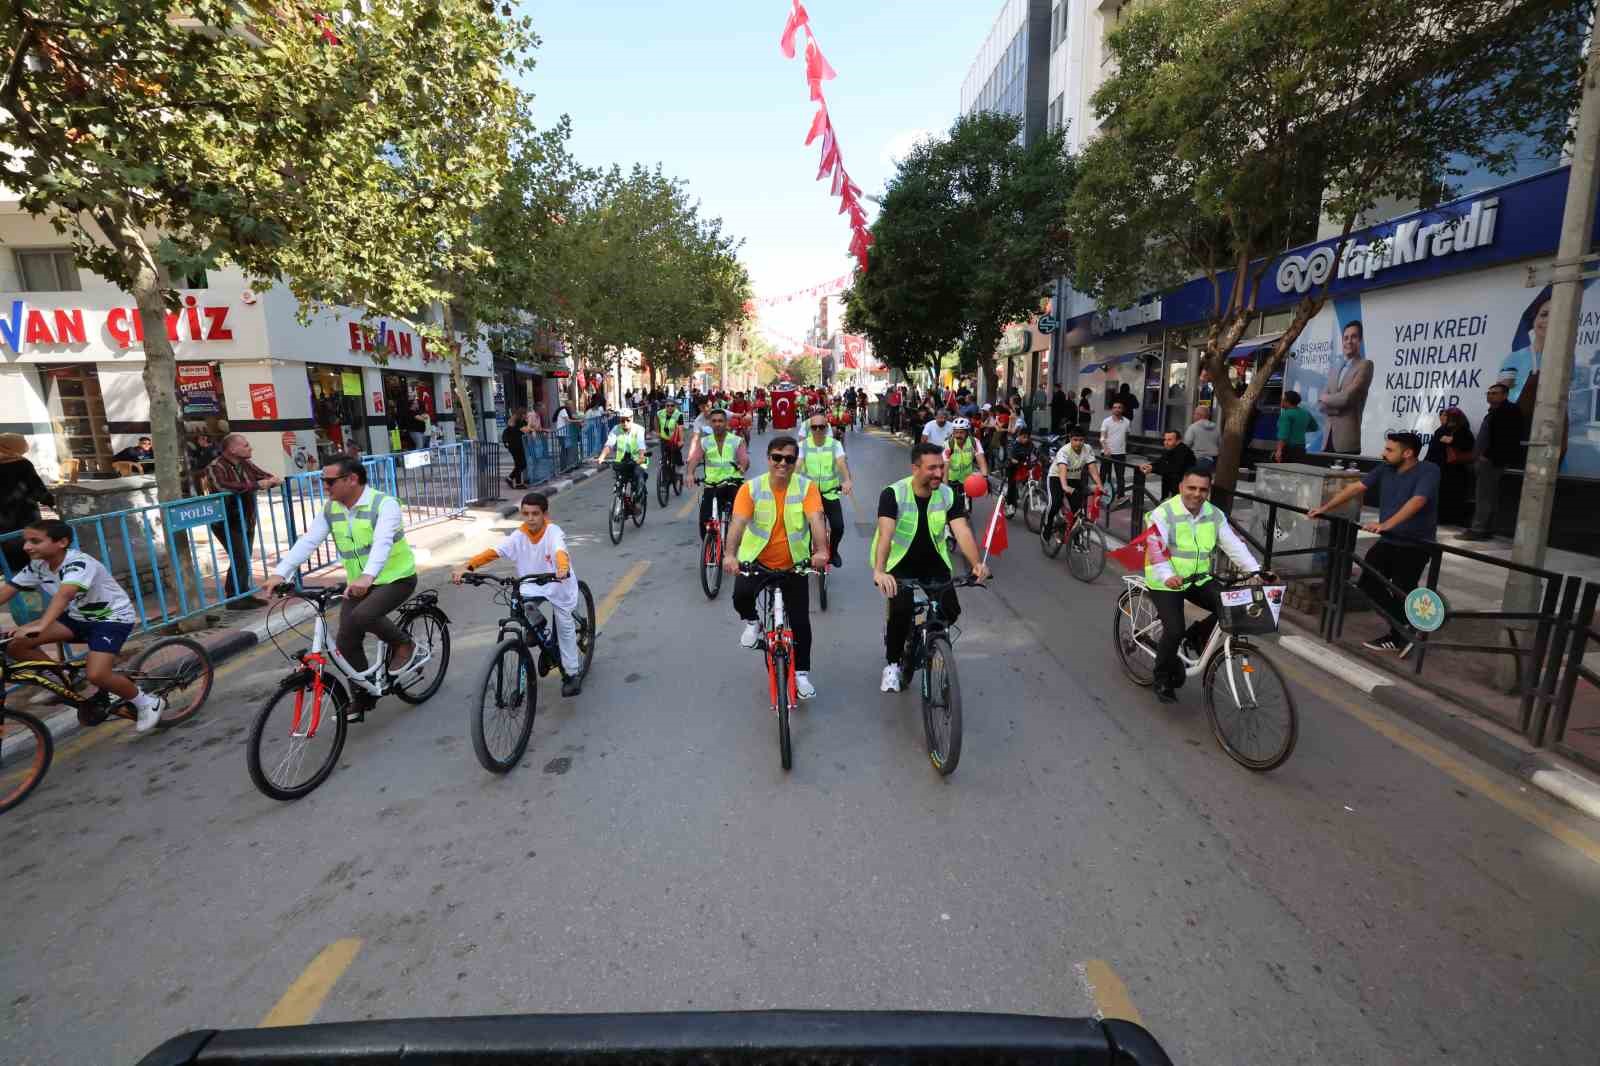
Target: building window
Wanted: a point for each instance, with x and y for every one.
(1055, 27)
(169, 280)
(48, 270)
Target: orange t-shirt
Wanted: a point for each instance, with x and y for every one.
(775, 556)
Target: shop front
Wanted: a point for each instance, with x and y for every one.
(338, 415)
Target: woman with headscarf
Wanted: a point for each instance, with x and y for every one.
(1450, 449)
(21, 493)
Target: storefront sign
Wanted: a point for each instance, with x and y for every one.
(263, 402)
(1048, 324)
(377, 402)
(32, 328)
(350, 383)
(1017, 341)
(199, 391)
(397, 343)
(1442, 345)
(413, 460)
(1117, 319)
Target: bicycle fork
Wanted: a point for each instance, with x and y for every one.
(315, 661)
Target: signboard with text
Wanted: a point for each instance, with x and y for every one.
(263, 402)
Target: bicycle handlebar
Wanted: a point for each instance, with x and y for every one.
(509, 582)
(757, 570)
(315, 593)
(933, 588)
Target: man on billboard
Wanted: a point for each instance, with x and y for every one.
(1346, 398)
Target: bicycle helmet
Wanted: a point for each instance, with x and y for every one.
(624, 412)
(961, 423)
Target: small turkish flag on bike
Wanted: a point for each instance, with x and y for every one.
(1147, 547)
(995, 541)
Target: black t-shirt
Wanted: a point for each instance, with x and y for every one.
(921, 560)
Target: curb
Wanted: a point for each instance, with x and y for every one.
(552, 488)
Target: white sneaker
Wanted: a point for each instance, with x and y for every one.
(891, 679)
(751, 637)
(803, 686)
(149, 716)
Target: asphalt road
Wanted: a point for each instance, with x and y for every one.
(1379, 899)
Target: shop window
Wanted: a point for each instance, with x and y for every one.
(48, 270)
(78, 418)
(337, 410)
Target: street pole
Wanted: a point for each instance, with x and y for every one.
(1555, 373)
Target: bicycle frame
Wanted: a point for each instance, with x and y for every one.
(775, 627)
(1219, 641)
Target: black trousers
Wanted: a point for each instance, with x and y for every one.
(1401, 563)
(519, 462)
(1110, 469)
(1056, 498)
(834, 509)
(796, 608)
(240, 531)
(902, 612)
(724, 492)
(370, 614)
(1169, 671)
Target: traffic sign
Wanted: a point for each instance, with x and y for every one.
(1048, 324)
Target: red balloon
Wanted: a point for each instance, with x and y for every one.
(975, 485)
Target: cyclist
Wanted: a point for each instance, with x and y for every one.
(727, 460)
(540, 547)
(1191, 529)
(669, 427)
(378, 566)
(962, 454)
(822, 461)
(841, 414)
(913, 515)
(628, 441)
(1019, 454)
(1072, 462)
(85, 605)
(777, 522)
(701, 424)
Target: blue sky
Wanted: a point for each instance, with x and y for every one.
(701, 88)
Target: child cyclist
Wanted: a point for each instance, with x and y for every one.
(86, 606)
(539, 547)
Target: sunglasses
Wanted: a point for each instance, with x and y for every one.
(334, 480)
(788, 460)
(819, 425)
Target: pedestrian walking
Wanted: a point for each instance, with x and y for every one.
(512, 437)
(1499, 445)
(21, 493)
(233, 472)
(1294, 422)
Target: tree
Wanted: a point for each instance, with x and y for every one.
(1230, 129)
(801, 369)
(343, 151)
(971, 231)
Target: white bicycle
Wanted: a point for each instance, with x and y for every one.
(300, 732)
(1248, 703)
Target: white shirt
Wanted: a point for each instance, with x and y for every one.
(1230, 542)
(563, 419)
(938, 434)
(1114, 435)
(99, 598)
(1073, 461)
(540, 558)
(384, 532)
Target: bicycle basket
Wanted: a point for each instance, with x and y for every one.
(1250, 609)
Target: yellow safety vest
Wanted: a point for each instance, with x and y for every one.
(962, 460)
(629, 442)
(905, 525)
(759, 531)
(352, 534)
(817, 462)
(1192, 545)
(721, 462)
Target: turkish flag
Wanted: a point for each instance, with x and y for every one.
(1147, 545)
(797, 18)
(995, 542)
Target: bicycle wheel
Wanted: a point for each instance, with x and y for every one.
(286, 760)
(178, 670)
(1034, 505)
(1136, 632)
(583, 618)
(677, 480)
(427, 629)
(711, 564)
(617, 521)
(508, 697)
(1251, 710)
(780, 672)
(822, 590)
(941, 704)
(1086, 552)
(29, 739)
(663, 486)
(641, 504)
(1050, 537)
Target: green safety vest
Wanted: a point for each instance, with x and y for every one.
(1192, 546)
(352, 535)
(629, 442)
(905, 526)
(759, 531)
(668, 419)
(721, 462)
(817, 463)
(962, 460)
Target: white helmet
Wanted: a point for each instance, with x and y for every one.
(961, 423)
(624, 412)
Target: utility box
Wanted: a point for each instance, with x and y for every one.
(1301, 485)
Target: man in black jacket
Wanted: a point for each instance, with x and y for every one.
(1499, 446)
(1176, 459)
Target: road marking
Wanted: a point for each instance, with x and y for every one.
(305, 996)
(688, 506)
(613, 598)
(1451, 766)
(1111, 999)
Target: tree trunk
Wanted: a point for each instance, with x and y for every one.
(465, 408)
(160, 361)
(991, 377)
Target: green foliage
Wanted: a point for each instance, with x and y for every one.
(1230, 128)
(970, 233)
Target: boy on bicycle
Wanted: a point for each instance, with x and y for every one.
(86, 606)
(539, 547)
(1073, 460)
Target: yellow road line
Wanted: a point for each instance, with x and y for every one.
(613, 598)
(689, 504)
(1111, 997)
(1448, 764)
(305, 996)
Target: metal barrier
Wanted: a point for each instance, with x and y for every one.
(1581, 635)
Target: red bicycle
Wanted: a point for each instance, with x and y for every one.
(777, 642)
(1083, 538)
(712, 537)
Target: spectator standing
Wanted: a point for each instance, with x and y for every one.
(1085, 408)
(1059, 406)
(894, 399)
(1294, 422)
(1408, 505)
(21, 493)
(1114, 447)
(512, 437)
(1203, 436)
(1499, 445)
(1126, 398)
(1450, 450)
(1176, 459)
(234, 473)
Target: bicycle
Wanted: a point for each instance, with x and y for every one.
(294, 717)
(176, 669)
(712, 538)
(929, 647)
(626, 501)
(777, 645)
(1251, 677)
(1032, 496)
(671, 479)
(1083, 538)
(507, 701)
